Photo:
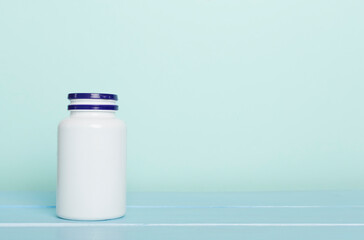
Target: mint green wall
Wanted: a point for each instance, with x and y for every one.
(217, 95)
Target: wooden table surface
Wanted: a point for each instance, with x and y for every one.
(256, 215)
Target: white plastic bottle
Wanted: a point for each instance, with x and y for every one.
(91, 159)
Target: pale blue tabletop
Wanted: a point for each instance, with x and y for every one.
(259, 215)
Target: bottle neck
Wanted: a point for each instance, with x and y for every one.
(92, 101)
(88, 114)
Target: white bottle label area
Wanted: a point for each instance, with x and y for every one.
(91, 166)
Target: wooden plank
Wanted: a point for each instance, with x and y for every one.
(194, 215)
(319, 198)
(183, 233)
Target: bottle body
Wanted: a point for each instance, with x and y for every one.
(91, 180)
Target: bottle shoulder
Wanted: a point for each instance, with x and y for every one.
(91, 122)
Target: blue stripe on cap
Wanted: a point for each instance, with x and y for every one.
(105, 96)
(93, 107)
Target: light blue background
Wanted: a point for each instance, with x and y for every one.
(217, 95)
